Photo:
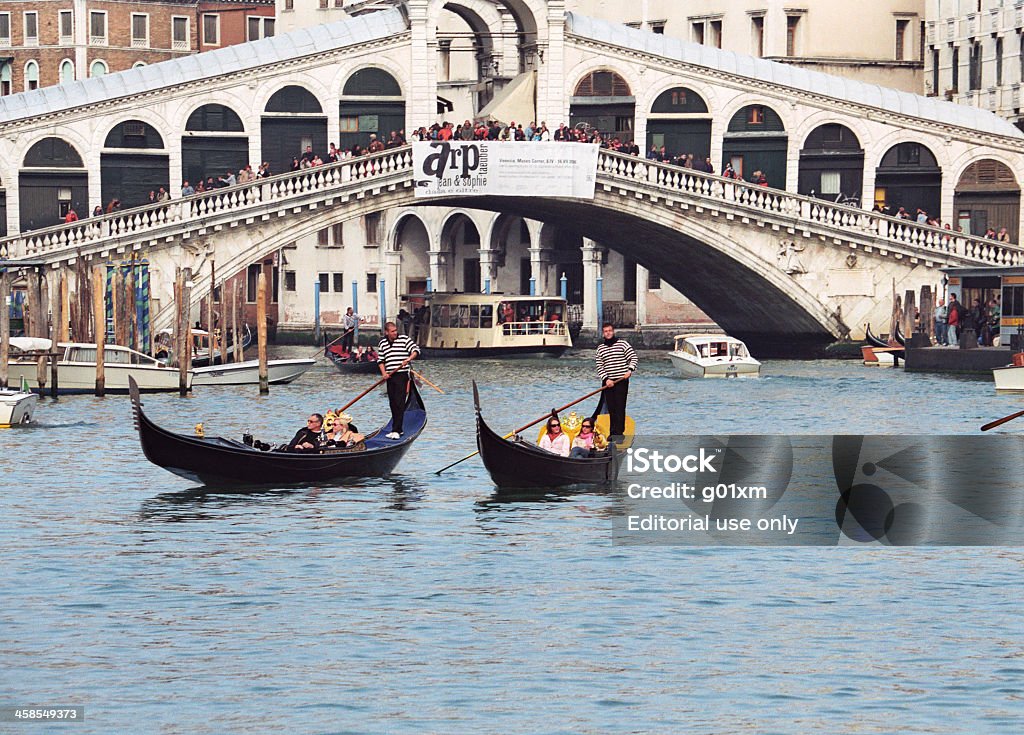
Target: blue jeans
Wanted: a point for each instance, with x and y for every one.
(940, 332)
(579, 453)
(951, 335)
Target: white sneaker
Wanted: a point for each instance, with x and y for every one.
(393, 435)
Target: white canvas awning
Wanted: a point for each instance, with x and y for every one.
(516, 102)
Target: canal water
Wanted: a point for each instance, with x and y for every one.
(426, 604)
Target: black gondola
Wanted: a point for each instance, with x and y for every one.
(516, 464)
(350, 367)
(220, 461)
(874, 341)
(900, 339)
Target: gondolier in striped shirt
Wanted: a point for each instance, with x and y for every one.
(394, 353)
(615, 359)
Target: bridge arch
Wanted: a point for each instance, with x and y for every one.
(133, 162)
(831, 163)
(214, 142)
(987, 195)
(756, 140)
(510, 242)
(460, 238)
(680, 119)
(530, 17)
(53, 179)
(371, 103)
(291, 119)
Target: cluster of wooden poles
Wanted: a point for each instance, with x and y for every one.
(52, 311)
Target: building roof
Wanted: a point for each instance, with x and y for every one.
(196, 67)
(788, 75)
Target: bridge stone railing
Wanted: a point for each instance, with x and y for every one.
(194, 213)
(201, 210)
(812, 214)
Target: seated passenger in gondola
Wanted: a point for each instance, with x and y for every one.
(554, 440)
(588, 442)
(343, 433)
(307, 439)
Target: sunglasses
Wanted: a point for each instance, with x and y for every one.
(554, 426)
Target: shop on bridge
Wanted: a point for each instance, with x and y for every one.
(680, 121)
(909, 177)
(53, 180)
(292, 120)
(214, 144)
(987, 195)
(371, 104)
(756, 141)
(133, 163)
(603, 100)
(832, 165)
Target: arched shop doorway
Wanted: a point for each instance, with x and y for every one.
(987, 195)
(215, 144)
(909, 177)
(604, 101)
(832, 164)
(292, 120)
(52, 180)
(133, 163)
(756, 141)
(371, 104)
(679, 121)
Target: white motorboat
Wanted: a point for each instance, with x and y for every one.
(76, 367)
(1010, 378)
(712, 356)
(17, 406)
(248, 372)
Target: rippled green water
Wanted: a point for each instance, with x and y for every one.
(428, 604)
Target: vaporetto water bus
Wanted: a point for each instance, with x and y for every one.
(492, 325)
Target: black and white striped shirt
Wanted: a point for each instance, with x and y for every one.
(392, 354)
(613, 361)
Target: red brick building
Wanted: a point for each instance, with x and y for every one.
(53, 42)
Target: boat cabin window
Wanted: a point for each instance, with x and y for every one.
(689, 349)
(718, 349)
(737, 350)
(110, 356)
(439, 315)
(486, 316)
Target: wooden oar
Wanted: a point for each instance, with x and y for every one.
(421, 377)
(379, 382)
(323, 351)
(1000, 422)
(534, 423)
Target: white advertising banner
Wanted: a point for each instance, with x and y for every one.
(493, 168)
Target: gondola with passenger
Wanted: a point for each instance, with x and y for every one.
(223, 461)
(516, 463)
(351, 363)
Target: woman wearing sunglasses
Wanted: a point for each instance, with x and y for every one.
(554, 439)
(586, 442)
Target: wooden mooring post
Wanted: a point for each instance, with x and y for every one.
(185, 330)
(5, 325)
(58, 320)
(99, 318)
(261, 330)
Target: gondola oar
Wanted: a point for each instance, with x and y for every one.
(324, 351)
(534, 423)
(379, 382)
(424, 379)
(1000, 422)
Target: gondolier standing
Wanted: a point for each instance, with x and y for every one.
(394, 353)
(349, 322)
(615, 359)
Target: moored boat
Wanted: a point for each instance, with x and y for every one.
(17, 406)
(492, 325)
(248, 372)
(518, 464)
(712, 356)
(222, 461)
(1010, 378)
(76, 367)
(342, 360)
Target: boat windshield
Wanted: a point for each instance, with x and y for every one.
(738, 349)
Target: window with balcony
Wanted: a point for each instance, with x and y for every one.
(67, 28)
(5, 29)
(98, 28)
(140, 30)
(31, 29)
(211, 29)
(179, 33)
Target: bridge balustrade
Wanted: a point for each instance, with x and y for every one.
(172, 217)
